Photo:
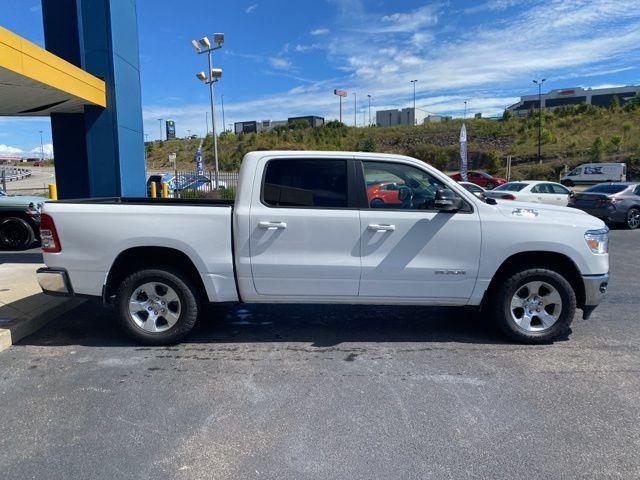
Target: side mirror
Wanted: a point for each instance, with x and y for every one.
(447, 201)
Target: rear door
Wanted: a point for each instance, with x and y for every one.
(305, 229)
(410, 250)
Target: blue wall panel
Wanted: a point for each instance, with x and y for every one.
(104, 43)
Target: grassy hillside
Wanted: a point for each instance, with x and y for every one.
(571, 135)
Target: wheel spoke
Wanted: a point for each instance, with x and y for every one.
(150, 325)
(171, 317)
(552, 298)
(517, 302)
(170, 296)
(524, 321)
(136, 306)
(546, 318)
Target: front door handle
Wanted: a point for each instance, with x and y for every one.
(381, 228)
(272, 225)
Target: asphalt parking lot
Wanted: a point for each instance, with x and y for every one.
(327, 392)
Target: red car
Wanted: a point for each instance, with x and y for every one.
(481, 178)
(383, 192)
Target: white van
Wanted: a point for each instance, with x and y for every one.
(591, 173)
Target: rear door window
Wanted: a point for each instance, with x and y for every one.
(311, 183)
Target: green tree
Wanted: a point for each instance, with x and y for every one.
(596, 153)
(616, 142)
(506, 115)
(492, 162)
(367, 144)
(615, 104)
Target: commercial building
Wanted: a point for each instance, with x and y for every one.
(253, 126)
(406, 116)
(600, 97)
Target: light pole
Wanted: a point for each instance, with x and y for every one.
(160, 120)
(414, 100)
(213, 75)
(206, 121)
(539, 83)
(188, 133)
(41, 148)
(369, 97)
(223, 120)
(465, 110)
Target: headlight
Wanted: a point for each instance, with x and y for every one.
(598, 240)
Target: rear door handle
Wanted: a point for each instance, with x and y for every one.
(272, 225)
(381, 228)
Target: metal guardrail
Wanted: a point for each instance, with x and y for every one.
(10, 174)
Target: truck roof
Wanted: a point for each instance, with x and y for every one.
(256, 155)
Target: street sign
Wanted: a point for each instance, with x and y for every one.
(340, 93)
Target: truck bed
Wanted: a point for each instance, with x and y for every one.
(199, 202)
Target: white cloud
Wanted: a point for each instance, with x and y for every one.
(307, 48)
(319, 31)
(47, 148)
(280, 63)
(9, 150)
(35, 8)
(251, 8)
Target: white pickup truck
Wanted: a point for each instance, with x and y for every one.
(328, 227)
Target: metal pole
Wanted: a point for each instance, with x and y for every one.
(224, 124)
(340, 97)
(213, 122)
(415, 120)
(540, 122)
(206, 119)
(41, 148)
(160, 120)
(369, 96)
(355, 109)
(4, 180)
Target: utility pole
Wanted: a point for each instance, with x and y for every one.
(188, 133)
(160, 120)
(465, 110)
(369, 97)
(539, 83)
(206, 119)
(414, 101)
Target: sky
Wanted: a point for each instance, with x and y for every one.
(284, 58)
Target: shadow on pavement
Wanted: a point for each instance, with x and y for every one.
(319, 325)
(21, 257)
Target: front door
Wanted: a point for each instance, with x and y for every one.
(410, 250)
(305, 230)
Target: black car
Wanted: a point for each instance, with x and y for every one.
(612, 202)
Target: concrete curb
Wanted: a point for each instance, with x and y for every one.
(24, 324)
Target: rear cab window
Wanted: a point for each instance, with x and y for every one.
(511, 187)
(609, 188)
(305, 183)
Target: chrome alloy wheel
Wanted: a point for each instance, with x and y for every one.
(536, 306)
(155, 307)
(633, 218)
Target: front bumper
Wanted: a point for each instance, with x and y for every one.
(595, 287)
(54, 282)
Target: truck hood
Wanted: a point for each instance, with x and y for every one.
(19, 201)
(544, 213)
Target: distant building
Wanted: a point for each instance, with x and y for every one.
(434, 118)
(171, 129)
(312, 120)
(600, 97)
(254, 126)
(406, 116)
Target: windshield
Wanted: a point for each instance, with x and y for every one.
(607, 188)
(511, 187)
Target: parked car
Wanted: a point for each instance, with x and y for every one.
(532, 191)
(612, 202)
(302, 230)
(477, 190)
(19, 220)
(591, 173)
(481, 178)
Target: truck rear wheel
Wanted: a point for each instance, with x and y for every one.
(15, 234)
(156, 306)
(535, 305)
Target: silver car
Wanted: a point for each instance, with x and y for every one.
(612, 202)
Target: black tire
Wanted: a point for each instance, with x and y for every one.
(631, 222)
(16, 234)
(502, 300)
(377, 203)
(568, 183)
(189, 306)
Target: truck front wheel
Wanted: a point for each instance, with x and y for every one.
(535, 305)
(156, 306)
